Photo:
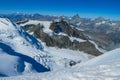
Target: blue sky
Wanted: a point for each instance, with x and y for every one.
(85, 8)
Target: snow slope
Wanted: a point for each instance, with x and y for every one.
(26, 54)
(107, 58)
(45, 23)
(16, 42)
(11, 62)
(61, 57)
(104, 67)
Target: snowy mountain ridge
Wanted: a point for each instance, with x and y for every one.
(22, 54)
(26, 54)
(11, 30)
(16, 42)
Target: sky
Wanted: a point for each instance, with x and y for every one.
(85, 8)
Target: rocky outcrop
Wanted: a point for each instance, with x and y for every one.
(64, 27)
(28, 27)
(62, 41)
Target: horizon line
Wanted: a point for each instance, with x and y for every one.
(65, 15)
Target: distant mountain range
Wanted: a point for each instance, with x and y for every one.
(60, 34)
(41, 46)
(20, 16)
(104, 32)
(60, 46)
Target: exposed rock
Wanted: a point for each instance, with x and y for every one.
(66, 28)
(27, 27)
(72, 63)
(62, 41)
(75, 19)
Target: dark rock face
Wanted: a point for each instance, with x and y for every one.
(66, 28)
(102, 27)
(72, 63)
(75, 19)
(62, 41)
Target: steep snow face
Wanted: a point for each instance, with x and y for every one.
(15, 42)
(10, 31)
(19, 40)
(104, 67)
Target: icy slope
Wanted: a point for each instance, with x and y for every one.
(104, 67)
(106, 59)
(10, 31)
(16, 43)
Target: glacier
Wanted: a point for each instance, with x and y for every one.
(22, 56)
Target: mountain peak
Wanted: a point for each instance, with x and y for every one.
(100, 19)
(76, 16)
